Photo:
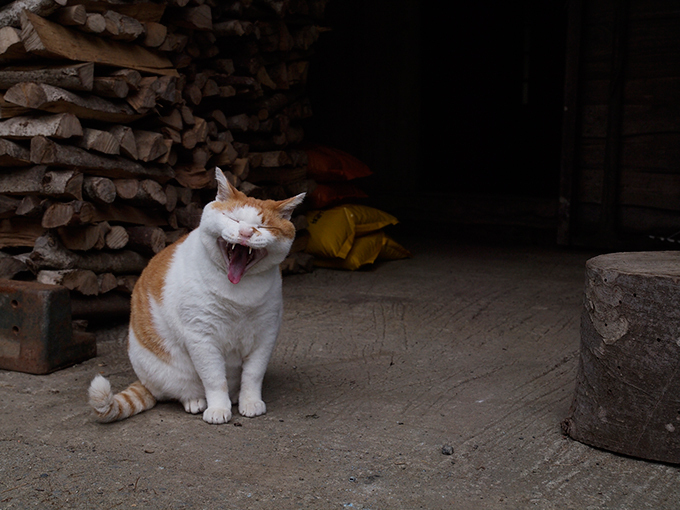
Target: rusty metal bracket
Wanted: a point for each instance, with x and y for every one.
(36, 334)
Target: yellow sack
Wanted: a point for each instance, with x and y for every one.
(332, 231)
(368, 219)
(366, 250)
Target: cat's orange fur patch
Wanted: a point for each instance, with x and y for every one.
(150, 286)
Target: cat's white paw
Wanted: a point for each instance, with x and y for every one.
(252, 408)
(195, 405)
(217, 415)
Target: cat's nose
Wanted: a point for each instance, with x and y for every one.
(246, 232)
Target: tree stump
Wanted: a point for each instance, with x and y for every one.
(627, 397)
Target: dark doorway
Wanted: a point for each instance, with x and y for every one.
(467, 101)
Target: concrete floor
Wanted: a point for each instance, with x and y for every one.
(465, 345)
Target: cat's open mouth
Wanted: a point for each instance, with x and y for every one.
(239, 258)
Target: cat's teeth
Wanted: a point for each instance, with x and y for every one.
(250, 250)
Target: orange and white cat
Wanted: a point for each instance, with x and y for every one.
(206, 312)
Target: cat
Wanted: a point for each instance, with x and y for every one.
(206, 312)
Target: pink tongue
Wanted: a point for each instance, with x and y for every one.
(238, 263)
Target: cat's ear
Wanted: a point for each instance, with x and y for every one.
(286, 207)
(225, 191)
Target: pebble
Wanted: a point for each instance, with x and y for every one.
(447, 449)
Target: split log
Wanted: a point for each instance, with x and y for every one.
(131, 76)
(10, 13)
(71, 15)
(155, 34)
(126, 188)
(99, 189)
(12, 154)
(60, 126)
(63, 184)
(195, 18)
(49, 253)
(189, 216)
(142, 100)
(48, 152)
(83, 238)
(48, 39)
(10, 266)
(111, 86)
(11, 45)
(139, 9)
(116, 238)
(126, 140)
(171, 197)
(150, 145)
(126, 283)
(275, 159)
(61, 214)
(22, 181)
(32, 206)
(146, 240)
(127, 28)
(150, 194)
(99, 141)
(79, 280)
(172, 120)
(19, 232)
(9, 110)
(8, 206)
(56, 100)
(94, 24)
(194, 178)
(71, 77)
(107, 282)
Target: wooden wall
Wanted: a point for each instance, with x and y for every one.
(621, 145)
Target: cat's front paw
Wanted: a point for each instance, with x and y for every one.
(194, 405)
(217, 415)
(251, 408)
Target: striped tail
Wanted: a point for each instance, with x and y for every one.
(109, 407)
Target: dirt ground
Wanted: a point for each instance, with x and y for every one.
(435, 382)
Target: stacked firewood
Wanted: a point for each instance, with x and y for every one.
(114, 115)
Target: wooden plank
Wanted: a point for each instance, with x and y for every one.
(57, 100)
(48, 39)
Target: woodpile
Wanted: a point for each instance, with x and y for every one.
(113, 116)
